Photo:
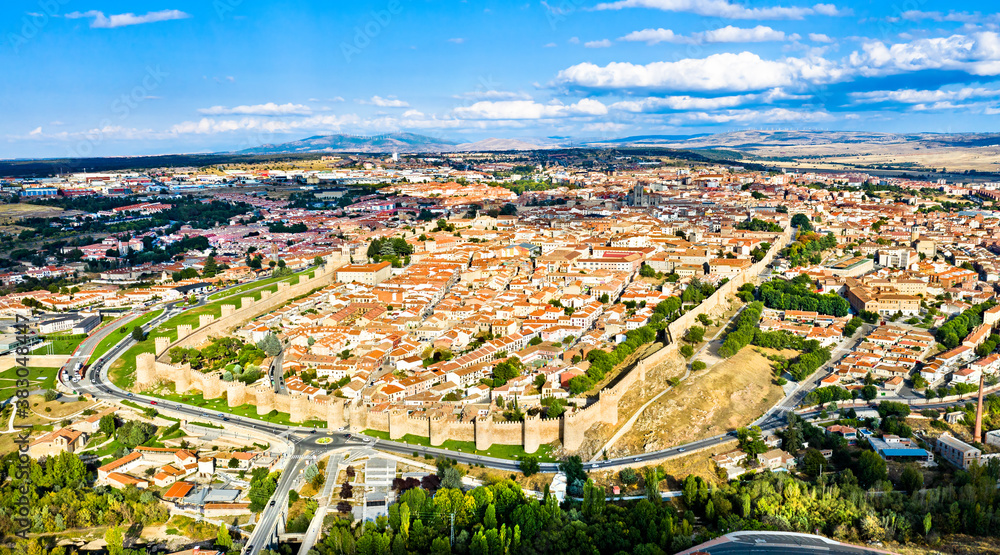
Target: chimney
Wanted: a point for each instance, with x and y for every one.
(979, 411)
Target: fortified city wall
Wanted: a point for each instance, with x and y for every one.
(570, 428)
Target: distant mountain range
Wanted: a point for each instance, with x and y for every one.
(407, 143)
(764, 144)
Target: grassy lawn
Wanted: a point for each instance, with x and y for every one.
(259, 284)
(39, 378)
(113, 339)
(511, 452)
(220, 405)
(122, 372)
(62, 344)
(108, 449)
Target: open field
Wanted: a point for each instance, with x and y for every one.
(60, 344)
(711, 402)
(11, 213)
(113, 339)
(38, 378)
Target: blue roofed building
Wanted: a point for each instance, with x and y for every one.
(900, 449)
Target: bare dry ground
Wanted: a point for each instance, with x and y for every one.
(711, 402)
(10, 213)
(835, 157)
(635, 397)
(956, 544)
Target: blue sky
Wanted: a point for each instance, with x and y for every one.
(103, 78)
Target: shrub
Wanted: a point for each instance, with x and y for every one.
(698, 365)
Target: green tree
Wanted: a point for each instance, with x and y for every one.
(270, 345)
(107, 425)
(912, 479)
(869, 392)
(529, 464)
(451, 478)
(114, 537)
(223, 539)
(813, 462)
(628, 476)
(695, 334)
(580, 384)
(750, 441)
(138, 334)
(871, 469)
(211, 268)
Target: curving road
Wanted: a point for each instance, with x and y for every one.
(302, 442)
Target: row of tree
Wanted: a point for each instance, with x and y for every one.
(798, 294)
(743, 331)
(951, 333)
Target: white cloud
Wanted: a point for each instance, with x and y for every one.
(456, 40)
(529, 109)
(820, 37)
(269, 109)
(603, 43)
(550, 45)
(725, 9)
(975, 54)
(773, 115)
(211, 126)
(911, 96)
(389, 102)
(98, 135)
(745, 71)
(727, 34)
(604, 127)
(760, 33)
(958, 17)
(493, 94)
(978, 54)
(684, 102)
(653, 104)
(653, 36)
(413, 114)
(100, 21)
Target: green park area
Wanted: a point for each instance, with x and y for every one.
(113, 338)
(269, 284)
(122, 372)
(221, 405)
(512, 452)
(38, 378)
(59, 344)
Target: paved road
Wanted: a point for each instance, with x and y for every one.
(87, 346)
(776, 415)
(276, 373)
(786, 543)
